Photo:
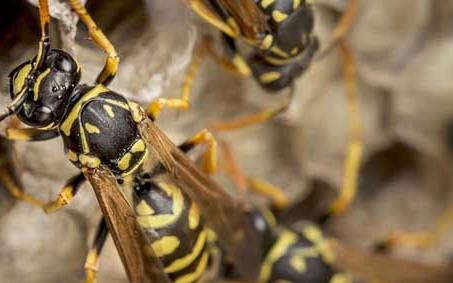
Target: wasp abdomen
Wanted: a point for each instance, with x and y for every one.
(174, 221)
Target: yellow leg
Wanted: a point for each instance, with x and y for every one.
(249, 120)
(343, 26)
(277, 196)
(10, 184)
(200, 7)
(92, 260)
(156, 106)
(111, 64)
(210, 157)
(421, 240)
(355, 144)
(67, 194)
(44, 42)
(30, 134)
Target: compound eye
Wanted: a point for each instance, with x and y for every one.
(42, 114)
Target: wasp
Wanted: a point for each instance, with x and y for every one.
(109, 138)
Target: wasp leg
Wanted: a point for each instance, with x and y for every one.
(355, 144)
(67, 194)
(92, 260)
(343, 26)
(210, 156)
(31, 134)
(44, 42)
(420, 240)
(250, 120)
(228, 27)
(7, 180)
(276, 195)
(111, 64)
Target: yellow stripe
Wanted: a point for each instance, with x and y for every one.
(165, 245)
(191, 277)
(125, 161)
(118, 103)
(267, 42)
(92, 129)
(109, 111)
(139, 146)
(269, 77)
(266, 3)
(296, 4)
(83, 138)
(194, 216)
(298, 263)
(72, 116)
(276, 50)
(286, 239)
(183, 262)
(136, 165)
(38, 83)
(72, 156)
(89, 161)
(279, 16)
(162, 220)
(144, 209)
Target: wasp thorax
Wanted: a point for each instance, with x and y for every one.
(47, 88)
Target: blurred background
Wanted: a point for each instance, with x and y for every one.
(404, 55)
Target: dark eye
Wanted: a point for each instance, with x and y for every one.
(54, 89)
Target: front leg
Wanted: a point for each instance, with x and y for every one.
(67, 194)
(31, 134)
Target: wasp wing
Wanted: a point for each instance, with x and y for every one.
(384, 268)
(127, 235)
(226, 216)
(250, 19)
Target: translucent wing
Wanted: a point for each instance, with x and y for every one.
(252, 22)
(383, 268)
(224, 215)
(127, 235)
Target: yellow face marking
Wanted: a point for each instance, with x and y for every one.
(266, 3)
(72, 156)
(241, 65)
(341, 278)
(267, 42)
(192, 277)
(165, 246)
(89, 161)
(279, 16)
(313, 233)
(285, 240)
(144, 209)
(269, 77)
(38, 83)
(194, 216)
(125, 161)
(298, 264)
(186, 260)
(296, 4)
(294, 51)
(109, 111)
(92, 129)
(162, 220)
(139, 146)
(19, 80)
(72, 116)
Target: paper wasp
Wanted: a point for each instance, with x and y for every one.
(282, 45)
(109, 138)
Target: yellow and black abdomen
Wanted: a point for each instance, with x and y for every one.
(101, 128)
(301, 254)
(173, 221)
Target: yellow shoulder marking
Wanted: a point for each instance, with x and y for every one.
(125, 161)
(74, 113)
(144, 209)
(279, 16)
(139, 146)
(194, 216)
(72, 156)
(38, 83)
(19, 80)
(266, 3)
(92, 129)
